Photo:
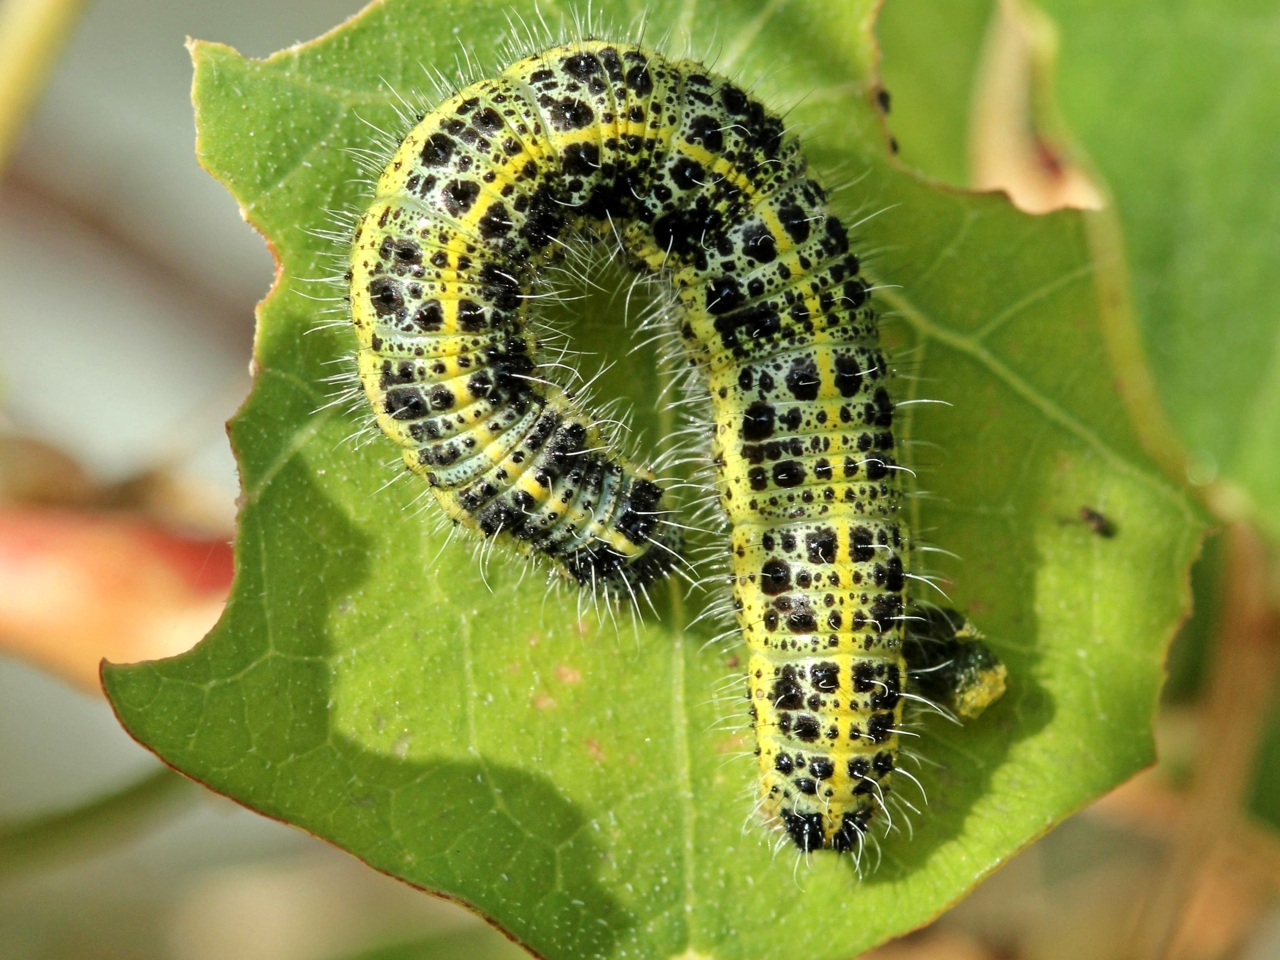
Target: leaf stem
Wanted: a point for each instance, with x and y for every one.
(104, 821)
(32, 34)
(1246, 664)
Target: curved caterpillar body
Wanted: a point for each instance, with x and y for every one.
(701, 184)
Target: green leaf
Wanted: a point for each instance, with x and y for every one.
(1177, 105)
(931, 51)
(474, 944)
(584, 785)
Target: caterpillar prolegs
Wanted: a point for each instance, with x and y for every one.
(702, 185)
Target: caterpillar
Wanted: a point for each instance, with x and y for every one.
(702, 185)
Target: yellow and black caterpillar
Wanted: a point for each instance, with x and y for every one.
(702, 185)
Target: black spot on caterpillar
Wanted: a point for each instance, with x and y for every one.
(702, 185)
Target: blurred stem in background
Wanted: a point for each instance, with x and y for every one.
(83, 831)
(1212, 835)
(32, 35)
